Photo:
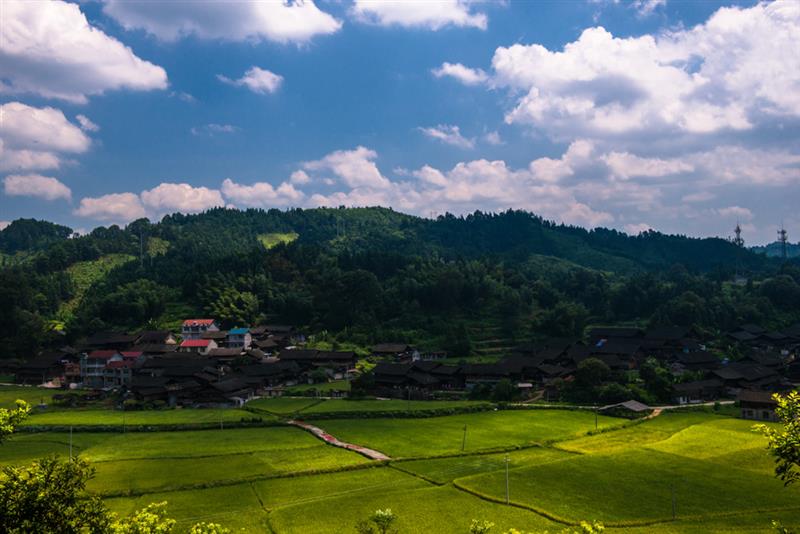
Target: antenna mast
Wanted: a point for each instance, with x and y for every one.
(738, 240)
(783, 239)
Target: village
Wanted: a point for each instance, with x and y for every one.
(205, 366)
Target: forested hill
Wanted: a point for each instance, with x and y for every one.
(366, 273)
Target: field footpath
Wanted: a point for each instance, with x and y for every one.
(331, 440)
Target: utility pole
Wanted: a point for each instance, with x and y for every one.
(507, 497)
(783, 238)
(674, 502)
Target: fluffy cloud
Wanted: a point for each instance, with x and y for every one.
(478, 184)
(256, 79)
(553, 170)
(647, 7)
(169, 197)
(261, 194)
(430, 15)
(50, 49)
(214, 129)
(36, 185)
(747, 166)
(86, 124)
(4, 224)
(700, 196)
(234, 21)
(493, 138)
(737, 71)
(626, 165)
(356, 168)
(299, 178)
(448, 134)
(465, 75)
(737, 212)
(34, 138)
(637, 228)
(162, 199)
(116, 207)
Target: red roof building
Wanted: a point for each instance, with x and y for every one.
(195, 328)
(201, 346)
(196, 343)
(198, 322)
(103, 354)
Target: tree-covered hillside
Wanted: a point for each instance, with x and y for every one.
(473, 284)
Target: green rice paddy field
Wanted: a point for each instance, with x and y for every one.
(282, 479)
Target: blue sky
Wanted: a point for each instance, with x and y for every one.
(678, 116)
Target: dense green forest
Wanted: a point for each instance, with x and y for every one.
(361, 275)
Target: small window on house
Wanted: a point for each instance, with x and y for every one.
(765, 414)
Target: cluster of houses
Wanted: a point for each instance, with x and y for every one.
(211, 366)
(769, 365)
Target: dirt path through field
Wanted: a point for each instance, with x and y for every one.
(327, 438)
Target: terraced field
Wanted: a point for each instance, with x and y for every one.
(284, 480)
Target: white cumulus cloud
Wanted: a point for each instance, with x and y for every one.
(737, 212)
(36, 138)
(36, 185)
(214, 129)
(50, 49)
(169, 197)
(448, 134)
(465, 75)
(261, 194)
(356, 168)
(278, 21)
(738, 70)
(626, 165)
(256, 79)
(432, 15)
(86, 124)
(116, 207)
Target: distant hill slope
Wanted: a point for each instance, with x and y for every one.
(513, 234)
(775, 250)
(375, 274)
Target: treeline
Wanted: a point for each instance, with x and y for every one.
(372, 274)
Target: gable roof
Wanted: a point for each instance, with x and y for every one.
(299, 354)
(153, 336)
(605, 332)
(336, 355)
(156, 348)
(196, 343)
(120, 364)
(752, 328)
(391, 369)
(103, 354)
(224, 353)
(667, 333)
(748, 395)
(390, 348)
(742, 336)
(99, 339)
(214, 334)
(198, 322)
